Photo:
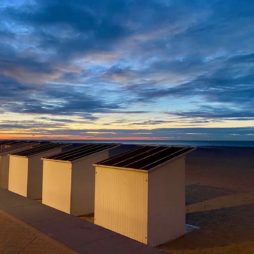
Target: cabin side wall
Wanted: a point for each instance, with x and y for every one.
(1, 173)
(35, 173)
(4, 171)
(56, 185)
(83, 183)
(121, 201)
(166, 203)
(18, 175)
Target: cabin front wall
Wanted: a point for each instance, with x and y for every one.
(35, 173)
(166, 216)
(18, 175)
(121, 201)
(4, 164)
(56, 186)
(83, 183)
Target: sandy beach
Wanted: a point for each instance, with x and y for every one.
(220, 201)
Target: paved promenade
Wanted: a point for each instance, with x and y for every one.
(26, 226)
(18, 237)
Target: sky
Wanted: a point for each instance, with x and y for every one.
(127, 69)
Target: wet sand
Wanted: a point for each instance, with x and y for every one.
(220, 201)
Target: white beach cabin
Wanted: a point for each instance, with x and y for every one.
(68, 178)
(25, 170)
(5, 158)
(141, 194)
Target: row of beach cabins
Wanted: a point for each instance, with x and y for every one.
(136, 191)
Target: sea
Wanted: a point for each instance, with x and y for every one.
(195, 143)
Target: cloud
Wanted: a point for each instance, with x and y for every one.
(231, 85)
(194, 60)
(208, 112)
(12, 125)
(67, 104)
(67, 28)
(159, 133)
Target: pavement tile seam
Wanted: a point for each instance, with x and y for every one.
(27, 245)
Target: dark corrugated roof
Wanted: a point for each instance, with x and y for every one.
(14, 142)
(145, 157)
(38, 149)
(18, 145)
(5, 144)
(5, 141)
(8, 142)
(80, 152)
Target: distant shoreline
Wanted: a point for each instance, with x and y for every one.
(201, 144)
(195, 143)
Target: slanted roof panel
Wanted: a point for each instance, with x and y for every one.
(168, 157)
(18, 145)
(123, 156)
(38, 149)
(71, 152)
(80, 152)
(146, 157)
(9, 142)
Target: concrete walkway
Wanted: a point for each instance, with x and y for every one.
(68, 232)
(18, 237)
